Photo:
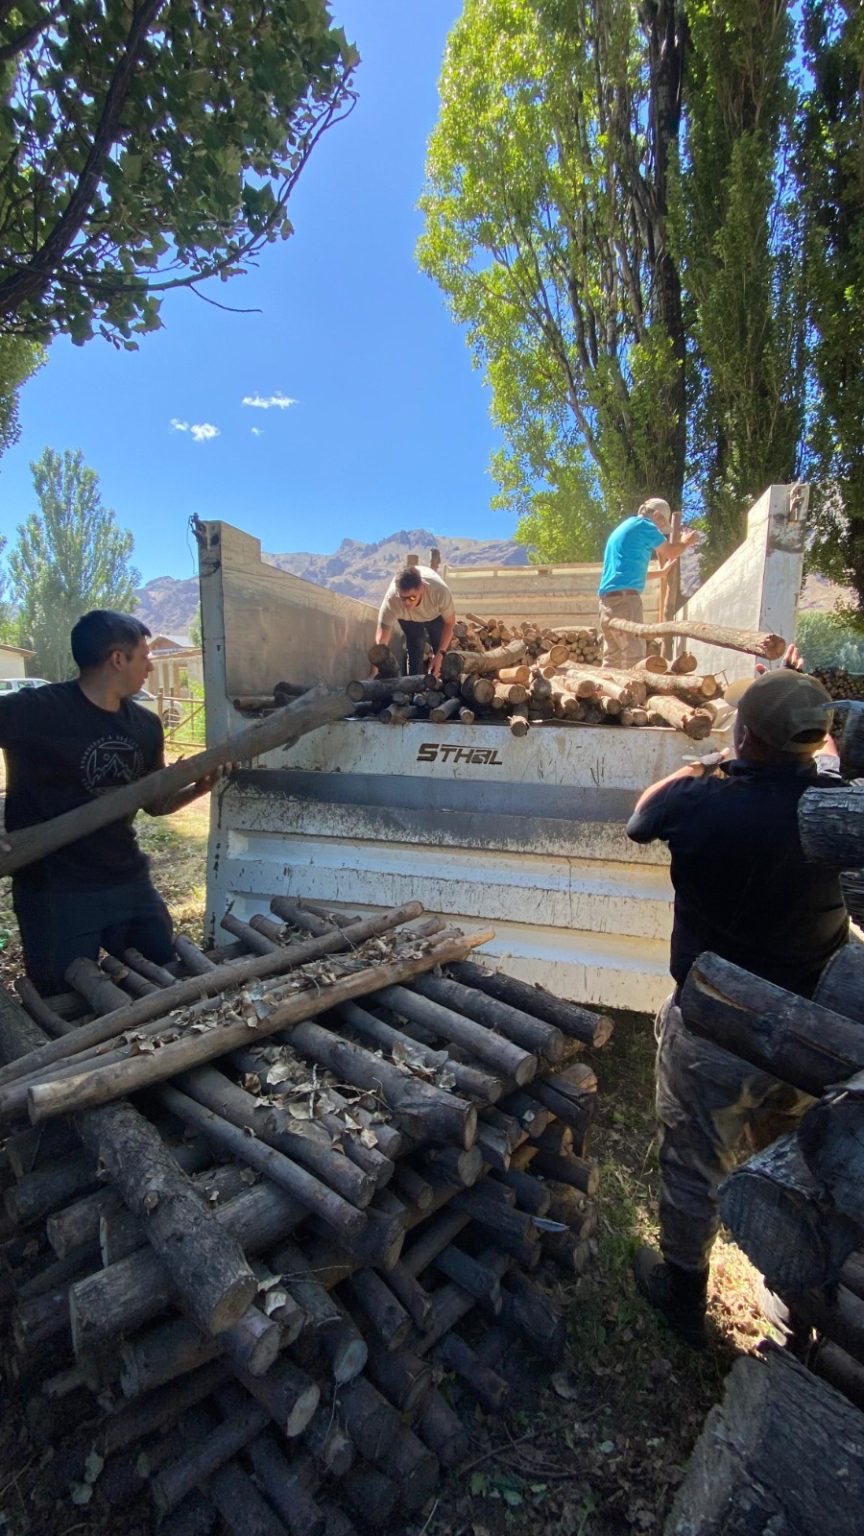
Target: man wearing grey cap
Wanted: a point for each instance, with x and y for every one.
(626, 558)
(744, 890)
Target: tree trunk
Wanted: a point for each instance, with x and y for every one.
(841, 985)
(781, 1453)
(788, 1036)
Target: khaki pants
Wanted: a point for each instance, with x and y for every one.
(619, 648)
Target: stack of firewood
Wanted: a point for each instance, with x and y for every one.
(475, 634)
(840, 683)
(241, 1289)
(797, 1210)
(502, 684)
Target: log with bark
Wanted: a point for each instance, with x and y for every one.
(315, 709)
(831, 1138)
(783, 1452)
(101, 1084)
(40, 1056)
(769, 646)
(778, 1213)
(789, 1036)
(831, 826)
(579, 1023)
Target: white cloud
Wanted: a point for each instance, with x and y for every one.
(201, 431)
(264, 402)
(257, 431)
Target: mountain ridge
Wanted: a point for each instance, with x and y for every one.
(168, 604)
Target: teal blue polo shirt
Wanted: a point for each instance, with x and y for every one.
(629, 548)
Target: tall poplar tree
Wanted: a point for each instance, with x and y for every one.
(71, 556)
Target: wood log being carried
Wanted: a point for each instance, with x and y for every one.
(282, 728)
(789, 1036)
(769, 646)
(484, 662)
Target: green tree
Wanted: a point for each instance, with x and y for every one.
(738, 241)
(19, 359)
(832, 173)
(148, 145)
(70, 557)
(545, 225)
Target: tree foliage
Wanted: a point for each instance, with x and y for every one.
(738, 242)
(545, 208)
(606, 215)
(19, 359)
(70, 557)
(149, 144)
(832, 175)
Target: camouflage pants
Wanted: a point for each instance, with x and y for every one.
(708, 1104)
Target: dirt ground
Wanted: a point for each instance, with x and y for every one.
(593, 1445)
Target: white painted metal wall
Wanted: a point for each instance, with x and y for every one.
(526, 834)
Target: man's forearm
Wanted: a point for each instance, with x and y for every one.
(448, 626)
(689, 771)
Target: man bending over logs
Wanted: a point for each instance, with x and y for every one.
(419, 599)
(65, 743)
(744, 890)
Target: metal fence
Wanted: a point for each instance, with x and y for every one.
(184, 720)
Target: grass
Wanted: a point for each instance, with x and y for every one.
(595, 1444)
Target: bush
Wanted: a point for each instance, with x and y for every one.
(827, 640)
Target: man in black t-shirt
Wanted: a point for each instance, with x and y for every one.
(65, 743)
(744, 890)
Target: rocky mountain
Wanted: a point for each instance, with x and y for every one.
(359, 570)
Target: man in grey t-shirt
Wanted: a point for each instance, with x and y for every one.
(418, 599)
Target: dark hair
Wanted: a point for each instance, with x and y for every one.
(102, 631)
(409, 580)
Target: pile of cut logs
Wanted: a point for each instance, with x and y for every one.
(473, 634)
(502, 684)
(239, 1290)
(797, 1210)
(840, 683)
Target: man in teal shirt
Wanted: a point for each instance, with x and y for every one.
(625, 571)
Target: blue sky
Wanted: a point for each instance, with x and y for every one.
(391, 426)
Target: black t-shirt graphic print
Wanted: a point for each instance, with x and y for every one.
(61, 751)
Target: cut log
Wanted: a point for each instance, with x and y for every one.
(286, 1392)
(425, 1110)
(486, 662)
(528, 1310)
(580, 1172)
(205, 1265)
(380, 690)
(478, 692)
(831, 1138)
(344, 1219)
(403, 1377)
(466, 1079)
(38, 1193)
(776, 1213)
(771, 647)
(525, 1029)
(200, 1460)
(305, 1142)
(502, 1055)
(841, 985)
(580, 1023)
(282, 728)
(694, 722)
(490, 1389)
(788, 1036)
(441, 1429)
(783, 1452)
(341, 1343)
(839, 1369)
(285, 1487)
(41, 1055)
(102, 1084)
(377, 1431)
(383, 1310)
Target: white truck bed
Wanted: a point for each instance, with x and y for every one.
(525, 834)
